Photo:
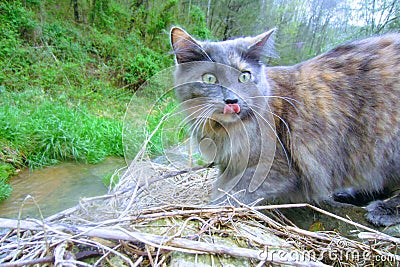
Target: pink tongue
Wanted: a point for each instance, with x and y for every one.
(231, 108)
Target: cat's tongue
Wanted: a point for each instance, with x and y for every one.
(231, 108)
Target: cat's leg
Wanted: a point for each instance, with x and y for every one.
(278, 184)
(384, 213)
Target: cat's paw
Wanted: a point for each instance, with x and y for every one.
(383, 213)
(358, 197)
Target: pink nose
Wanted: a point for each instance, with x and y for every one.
(231, 108)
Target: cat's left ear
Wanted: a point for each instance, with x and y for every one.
(262, 45)
(186, 48)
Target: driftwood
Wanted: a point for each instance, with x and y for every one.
(176, 243)
(113, 227)
(161, 242)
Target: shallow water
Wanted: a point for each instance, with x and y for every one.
(56, 188)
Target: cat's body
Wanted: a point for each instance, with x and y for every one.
(336, 118)
(345, 132)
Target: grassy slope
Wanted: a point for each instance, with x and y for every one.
(64, 86)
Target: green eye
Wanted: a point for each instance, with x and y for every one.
(244, 77)
(209, 78)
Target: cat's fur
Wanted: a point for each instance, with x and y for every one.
(336, 116)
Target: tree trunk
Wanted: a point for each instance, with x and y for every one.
(76, 11)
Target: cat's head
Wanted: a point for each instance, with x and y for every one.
(224, 79)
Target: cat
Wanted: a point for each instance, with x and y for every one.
(327, 124)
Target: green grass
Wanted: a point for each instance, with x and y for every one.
(65, 86)
(38, 130)
(160, 121)
(6, 170)
(46, 132)
(110, 180)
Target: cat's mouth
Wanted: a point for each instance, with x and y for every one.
(229, 113)
(231, 108)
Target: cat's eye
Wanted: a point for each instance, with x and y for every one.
(244, 77)
(209, 78)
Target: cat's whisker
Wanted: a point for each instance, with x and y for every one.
(192, 125)
(279, 117)
(286, 98)
(195, 108)
(288, 158)
(197, 121)
(204, 116)
(207, 119)
(196, 130)
(200, 119)
(194, 114)
(203, 119)
(196, 125)
(211, 126)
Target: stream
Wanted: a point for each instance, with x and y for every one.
(55, 188)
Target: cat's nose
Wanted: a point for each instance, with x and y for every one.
(231, 100)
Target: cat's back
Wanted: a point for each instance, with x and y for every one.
(379, 54)
(348, 71)
(379, 45)
(347, 115)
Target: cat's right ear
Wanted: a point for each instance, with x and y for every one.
(262, 46)
(186, 48)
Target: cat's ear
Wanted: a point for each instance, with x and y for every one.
(186, 48)
(262, 46)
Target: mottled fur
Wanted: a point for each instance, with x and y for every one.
(336, 117)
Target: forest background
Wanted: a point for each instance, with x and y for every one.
(69, 68)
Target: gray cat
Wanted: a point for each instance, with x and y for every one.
(298, 133)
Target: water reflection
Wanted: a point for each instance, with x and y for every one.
(56, 188)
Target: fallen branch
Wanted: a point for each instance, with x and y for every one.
(49, 259)
(162, 242)
(219, 210)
